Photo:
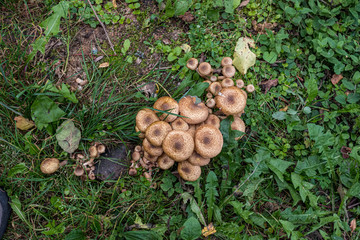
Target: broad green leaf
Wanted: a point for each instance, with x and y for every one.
(288, 227)
(19, 168)
(68, 136)
(142, 234)
(191, 230)
(270, 57)
(312, 88)
(243, 57)
(16, 207)
(171, 57)
(45, 110)
(198, 89)
(38, 46)
(181, 7)
(211, 193)
(229, 6)
(356, 77)
(195, 208)
(279, 115)
(324, 221)
(126, 45)
(240, 211)
(279, 167)
(75, 234)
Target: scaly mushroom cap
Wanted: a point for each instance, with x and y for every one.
(193, 112)
(49, 165)
(150, 157)
(240, 83)
(151, 149)
(250, 88)
(226, 61)
(228, 71)
(156, 132)
(144, 118)
(227, 82)
(178, 145)
(180, 124)
(192, 129)
(204, 69)
(189, 172)
(231, 100)
(213, 120)
(192, 63)
(238, 124)
(208, 141)
(167, 104)
(197, 160)
(215, 88)
(165, 162)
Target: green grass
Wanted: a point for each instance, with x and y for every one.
(286, 179)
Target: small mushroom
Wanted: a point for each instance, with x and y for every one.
(197, 160)
(228, 71)
(209, 95)
(51, 165)
(192, 63)
(144, 118)
(238, 124)
(208, 141)
(231, 100)
(79, 171)
(215, 88)
(91, 175)
(192, 129)
(151, 149)
(150, 157)
(250, 88)
(193, 112)
(213, 120)
(240, 83)
(204, 69)
(100, 148)
(210, 103)
(156, 132)
(138, 148)
(167, 104)
(180, 124)
(165, 162)
(227, 82)
(132, 172)
(226, 61)
(135, 156)
(93, 153)
(178, 145)
(189, 172)
(147, 176)
(213, 78)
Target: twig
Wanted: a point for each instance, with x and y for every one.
(103, 26)
(247, 179)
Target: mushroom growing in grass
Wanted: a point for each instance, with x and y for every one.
(213, 120)
(250, 88)
(240, 83)
(167, 104)
(204, 69)
(132, 172)
(150, 157)
(144, 118)
(93, 152)
(231, 100)
(178, 145)
(208, 141)
(228, 71)
(51, 165)
(226, 61)
(79, 171)
(192, 63)
(215, 88)
(192, 111)
(156, 132)
(135, 156)
(180, 124)
(227, 82)
(165, 162)
(238, 124)
(197, 160)
(210, 103)
(100, 148)
(151, 149)
(189, 172)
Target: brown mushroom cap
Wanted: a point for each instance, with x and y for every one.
(165, 162)
(193, 112)
(228, 71)
(231, 100)
(204, 69)
(49, 165)
(151, 149)
(93, 152)
(210, 103)
(192, 63)
(150, 157)
(197, 160)
(192, 129)
(240, 83)
(180, 124)
(250, 88)
(144, 118)
(213, 120)
(100, 148)
(227, 82)
(189, 172)
(79, 171)
(215, 88)
(213, 78)
(238, 124)
(208, 141)
(167, 104)
(156, 132)
(226, 61)
(178, 145)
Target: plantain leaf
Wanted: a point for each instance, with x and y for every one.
(68, 136)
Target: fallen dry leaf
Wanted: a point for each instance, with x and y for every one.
(269, 84)
(336, 78)
(345, 151)
(284, 109)
(187, 17)
(208, 230)
(353, 225)
(114, 3)
(260, 27)
(244, 3)
(244, 58)
(23, 123)
(104, 65)
(185, 47)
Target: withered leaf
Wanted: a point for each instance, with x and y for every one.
(345, 151)
(335, 79)
(23, 123)
(353, 225)
(244, 58)
(244, 3)
(269, 84)
(187, 17)
(104, 65)
(284, 109)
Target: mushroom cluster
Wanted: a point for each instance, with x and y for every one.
(85, 165)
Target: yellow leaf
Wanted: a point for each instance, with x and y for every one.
(104, 65)
(208, 230)
(114, 3)
(23, 123)
(353, 225)
(284, 109)
(243, 57)
(185, 47)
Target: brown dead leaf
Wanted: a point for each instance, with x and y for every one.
(244, 3)
(104, 65)
(335, 79)
(114, 3)
(23, 123)
(284, 109)
(345, 151)
(260, 27)
(353, 225)
(269, 84)
(208, 230)
(187, 17)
